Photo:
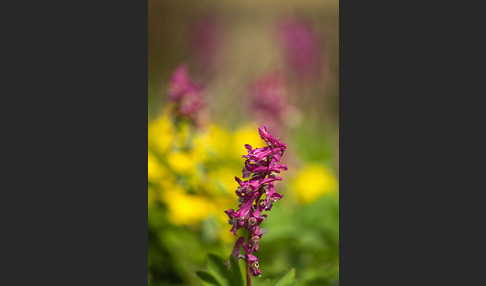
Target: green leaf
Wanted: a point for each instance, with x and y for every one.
(287, 280)
(207, 279)
(218, 269)
(258, 281)
(236, 278)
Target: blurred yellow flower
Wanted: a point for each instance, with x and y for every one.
(226, 235)
(160, 134)
(186, 209)
(155, 170)
(219, 142)
(312, 182)
(222, 180)
(201, 146)
(181, 162)
(246, 135)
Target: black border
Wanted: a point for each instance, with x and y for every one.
(75, 113)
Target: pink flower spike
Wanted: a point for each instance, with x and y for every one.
(262, 166)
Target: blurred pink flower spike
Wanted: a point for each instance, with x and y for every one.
(186, 94)
(302, 47)
(205, 40)
(269, 101)
(181, 85)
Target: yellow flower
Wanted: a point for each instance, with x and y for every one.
(222, 180)
(312, 182)
(226, 235)
(186, 209)
(181, 162)
(201, 146)
(155, 170)
(246, 135)
(160, 134)
(219, 142)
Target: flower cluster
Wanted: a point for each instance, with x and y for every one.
(186, 95)
(262, 169)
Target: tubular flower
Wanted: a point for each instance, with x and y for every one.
(261, 167)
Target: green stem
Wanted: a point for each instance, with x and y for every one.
(248, 275)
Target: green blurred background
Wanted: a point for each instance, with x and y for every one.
(227, 46)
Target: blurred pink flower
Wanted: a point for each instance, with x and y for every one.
(186, 94)
(302, 47)
(181, 85)
(205, 40)
(269, 101)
